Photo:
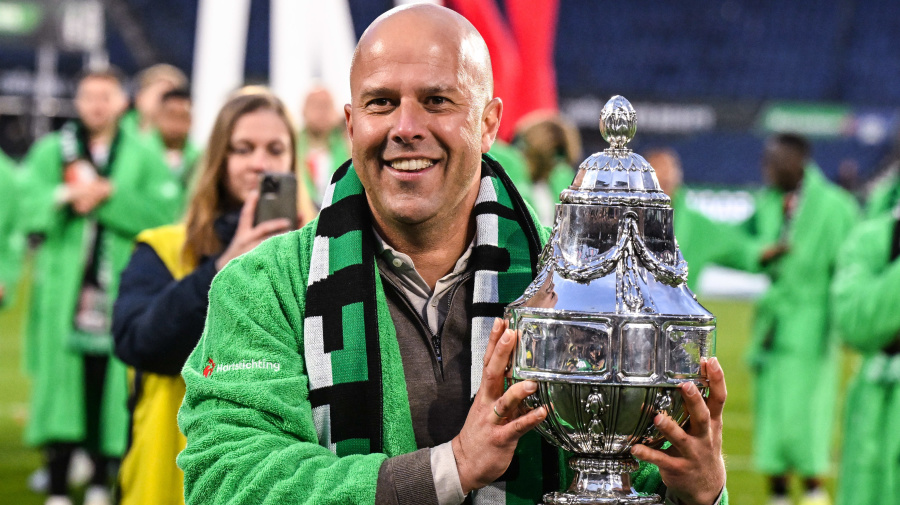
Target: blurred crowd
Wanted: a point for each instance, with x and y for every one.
(127, 221)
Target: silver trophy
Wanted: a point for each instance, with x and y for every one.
(609, 329)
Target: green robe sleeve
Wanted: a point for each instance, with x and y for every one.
(864, 290)
(145, 194)
(703, 241)
(11, 244)
(250, 432)
(43, 175)
(515, 165)
(883, 197)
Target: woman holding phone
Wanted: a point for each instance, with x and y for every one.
(161, 308)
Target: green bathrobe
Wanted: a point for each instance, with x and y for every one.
(338, 149)
(884, 196)
(866, 297)
(11, 244)
(792, 352)
(131, 123)
(516, 167)
(141, 199)
(703, 241)
(182, 174)
(247, 412)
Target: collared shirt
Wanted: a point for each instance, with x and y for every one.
(432, 305)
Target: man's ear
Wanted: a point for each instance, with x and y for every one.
(490, 123)
(349, 120)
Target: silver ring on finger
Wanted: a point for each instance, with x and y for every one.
(502, 418)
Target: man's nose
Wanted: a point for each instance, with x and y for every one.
(411, 123)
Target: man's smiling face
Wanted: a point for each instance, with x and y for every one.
(419, 119)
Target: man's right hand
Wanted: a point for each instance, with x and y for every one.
(773, 253)
(86, 196)
(497, 419)
(247, 236)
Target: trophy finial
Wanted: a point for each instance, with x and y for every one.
(618, 122)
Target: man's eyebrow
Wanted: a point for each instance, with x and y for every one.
(384, 91)
(439, 90)
(377, 92)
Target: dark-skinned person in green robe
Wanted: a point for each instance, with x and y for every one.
(886, 192)
(152, 83)
(87, 191)
(702, 240)
(10, 238)
(169, 139)
(793, 352)
(865, 296)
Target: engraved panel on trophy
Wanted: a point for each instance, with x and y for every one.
(638, 356)
(565, 346)
(687, 344)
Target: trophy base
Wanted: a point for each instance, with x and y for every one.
(591, 499)
(602, 481)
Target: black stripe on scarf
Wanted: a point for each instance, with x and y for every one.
(326, 298)
(521, 212)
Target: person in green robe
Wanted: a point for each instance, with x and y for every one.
(153, 82)
(551, 146)
(10, 238)
(702, 241)
(885, 194)
(865, 295)
(516, 166)
(87, 191)
(317, 379)
(322, 144)
(169, 139)
(793, 353)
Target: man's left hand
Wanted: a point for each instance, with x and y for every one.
(90, 194)
(692, 468)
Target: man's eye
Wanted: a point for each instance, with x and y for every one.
(378, 102)
(436, 100)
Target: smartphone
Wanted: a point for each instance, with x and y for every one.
(277, 198)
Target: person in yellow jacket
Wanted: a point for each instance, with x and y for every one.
(162, 304)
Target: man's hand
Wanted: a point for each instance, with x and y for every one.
(692, 468)
(497, 419)
(86, 196)
(773, 253)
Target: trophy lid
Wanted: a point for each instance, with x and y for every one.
(617, 175)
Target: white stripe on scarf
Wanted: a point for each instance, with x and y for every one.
(486, 289)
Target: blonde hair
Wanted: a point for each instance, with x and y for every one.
(161, 72)
(211, 197)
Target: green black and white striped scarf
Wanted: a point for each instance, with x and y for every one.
(341, 340)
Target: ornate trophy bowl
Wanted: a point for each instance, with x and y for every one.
(609, 329)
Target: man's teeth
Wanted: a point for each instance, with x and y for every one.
(411, 165)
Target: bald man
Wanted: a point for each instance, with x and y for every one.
(360, 360)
